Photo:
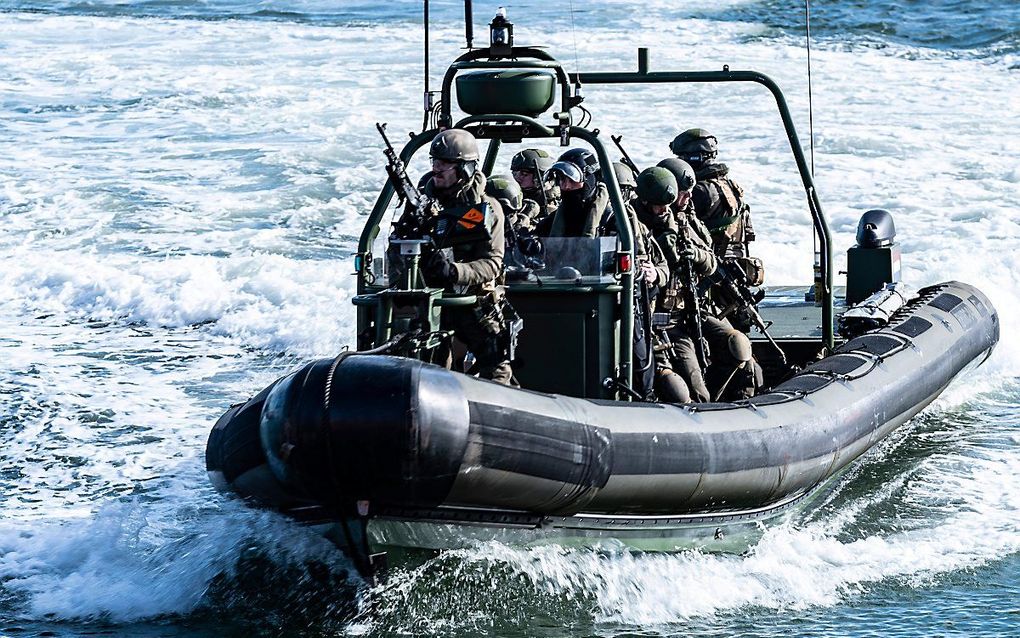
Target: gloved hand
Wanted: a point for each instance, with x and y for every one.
(648, 273)
(439, 269)
(690, 253)
(530, 246)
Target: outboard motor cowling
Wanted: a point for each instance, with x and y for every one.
(875, 261)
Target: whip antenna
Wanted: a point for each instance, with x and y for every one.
(427, 99)
(577, 67)
(817, 267)
(810, 96)
(469, 29)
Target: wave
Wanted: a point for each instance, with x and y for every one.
(987, 27)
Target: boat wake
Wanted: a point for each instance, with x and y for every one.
(937, 497)
(948, 503)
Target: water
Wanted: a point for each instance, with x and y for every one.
(181, 188)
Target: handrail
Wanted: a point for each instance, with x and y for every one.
(625, 234)
(532, 128)
(821, 226)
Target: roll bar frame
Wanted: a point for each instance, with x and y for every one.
(518, 127)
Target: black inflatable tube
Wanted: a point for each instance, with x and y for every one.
(397, 433)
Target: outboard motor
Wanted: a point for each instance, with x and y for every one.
(875, 260)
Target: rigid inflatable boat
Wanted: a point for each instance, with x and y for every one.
(383, 450)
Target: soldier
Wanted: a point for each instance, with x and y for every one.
(523, 251)
(625, 178)
(683, 207)
(471, 267)
(718, 200)
(529, 169)
(652, 273)
(583, 197)
(520, 213)
(656, 192)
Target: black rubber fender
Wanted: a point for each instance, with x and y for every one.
(234, 445)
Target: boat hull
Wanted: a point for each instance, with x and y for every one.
(416, 449)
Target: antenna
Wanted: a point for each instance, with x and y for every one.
(427, 99)
(810, 94)
(577, 68)
(469, 29)
(817, 267)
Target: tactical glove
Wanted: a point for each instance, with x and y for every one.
(530, 246)
(440, 269)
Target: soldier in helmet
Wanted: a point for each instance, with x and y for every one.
(683, 207)
(520, 212)
(682, 239)
(583, 197)
(625, 178)
(522, 249)
(529, 168)
(471, 267)
(678, 376)
(651, 275)
(717, 199)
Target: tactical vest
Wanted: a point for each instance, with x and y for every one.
(485, 255)
(719, 203)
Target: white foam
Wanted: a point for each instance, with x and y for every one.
(179, 199)
(969, 519)
(131, 562)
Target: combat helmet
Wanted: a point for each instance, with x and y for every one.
(579, 165)
(695, 145)
(624, 176)
(456, 145)
(506, 190)
(681, 170)
(527, 159)
(656, 185)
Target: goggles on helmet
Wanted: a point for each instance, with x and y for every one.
(565, 169)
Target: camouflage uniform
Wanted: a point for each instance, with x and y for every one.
(478, 269)
(683, 359)
(536, 162)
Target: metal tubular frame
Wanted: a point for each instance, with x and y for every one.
(821, 226)
(481, 59)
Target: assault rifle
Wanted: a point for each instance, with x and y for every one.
(644, 360)
(541, 188)
(626, 160)
(735, 292)
(423, 208)
(692, 299)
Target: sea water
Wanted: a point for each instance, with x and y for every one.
(182, 185)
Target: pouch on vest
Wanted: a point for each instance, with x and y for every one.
(753, 268)
(465, 224)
